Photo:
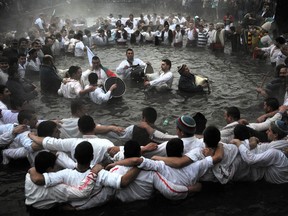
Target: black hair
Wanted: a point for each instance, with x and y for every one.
(174, 147)
(233, 112)
(129, 49)
(241, 132)
(86, 124)
(25, 115)
(2, 89)
(200, 121)
(84, 153)
(72, 70)
(93, 78)
(272, 102)
(44, 160)
(168, 62)
(211, 136)
(150, 114)
(95, 58)
(132, 149)
(46, 128)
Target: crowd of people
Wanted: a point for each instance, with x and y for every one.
(74, 167)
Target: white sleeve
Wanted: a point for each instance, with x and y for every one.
(149, 164)
(160, 137)
(109, 179)
(162, 79)
(53, 144)
(6, 136)
(264, 159)
(265, 125)
(120, 69)
(168, 189)
(54, 178)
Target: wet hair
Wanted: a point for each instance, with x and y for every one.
(278, 68)
(168, 62)
(132, 149)
(233, 112)
(86, 124)
(76, 105)
(150, 114)
(211, 136)
(275, 130)
(174, 147)
(200, 122)
(21, 40)
(46, 128)
(93, 78)
(84, 153)
(87, 31)
(78, 36)
(241, 132)
(44, 160)
(95, 58)
(12, 70)
(21, 55)
(272, 102)
(2, 89)
(47, 59)
(129, 49)
(25, 115)
(73, 70)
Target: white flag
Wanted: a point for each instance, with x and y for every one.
(90, 55)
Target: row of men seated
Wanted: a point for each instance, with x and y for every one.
(229, 165)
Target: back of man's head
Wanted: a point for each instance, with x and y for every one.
(273, 103)
(76, 106)
(174, 147)
(86, 124)
(233, 112)
(46, 128)
(211, 136)
(132, 149)
(44, 160)
(25, 115)
(84, 153)
(241, 132)
(150, 115)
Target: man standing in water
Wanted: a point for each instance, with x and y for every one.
(125, 67)
(165, 80)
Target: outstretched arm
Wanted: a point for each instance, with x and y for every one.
(175, 162)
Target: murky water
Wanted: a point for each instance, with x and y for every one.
(233, 81)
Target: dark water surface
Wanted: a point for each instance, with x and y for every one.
(233, 82)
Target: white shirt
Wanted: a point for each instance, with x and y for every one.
(227, 132)
(3, 106)
(98, 96)
(6, 134)
(102, 76)
(79, 49)
(186, 176)
(100, 146)
(71, 89)
(69, 128)
(271, 164)
(143, 186)
(126, 72)
(165, 79)
(73, 178)
(41, 197)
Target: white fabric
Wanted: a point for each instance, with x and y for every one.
(165, 79)
(79, 49)
(272, 51)
(98, 96)
(33, 65)
(227, 132)
(266, 124)
(100, 146)
(126, 72)
(71, 89)
(9, 117)
(41, 197)
(143, 186)
(102, 76)
(6, 134)
(271, 164)
(73, 178)
(69, 128)
(3, 106)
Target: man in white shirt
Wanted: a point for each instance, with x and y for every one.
(231, 116)
(72, 87)
(165, 79)
(4, 97)
(125, 67)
